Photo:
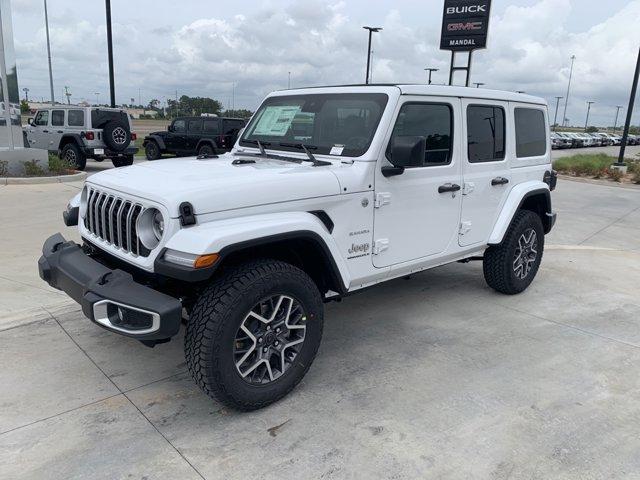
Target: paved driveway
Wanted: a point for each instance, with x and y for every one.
(435, 377)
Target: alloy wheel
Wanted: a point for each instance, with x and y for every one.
(269, 339)
(119, 135)
(526, 253)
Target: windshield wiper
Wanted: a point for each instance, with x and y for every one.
(306, 148)
(260, 145)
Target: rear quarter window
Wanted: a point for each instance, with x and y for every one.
(531, 132)
(75, 118)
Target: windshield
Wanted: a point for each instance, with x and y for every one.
(331, 124)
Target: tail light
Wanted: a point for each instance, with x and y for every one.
(89, 135)
(222, 140)
(134, 136)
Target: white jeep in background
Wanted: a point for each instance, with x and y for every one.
(327, 191)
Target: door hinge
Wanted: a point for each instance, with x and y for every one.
(382, 198)
(465, 227)
(380, 246)
(468, 188)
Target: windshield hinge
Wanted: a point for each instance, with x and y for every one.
(380, 246)
(382, 198)
(465, 227)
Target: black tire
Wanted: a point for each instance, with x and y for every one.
(217, 316)
(502, 270)
(116, 135)
(206, 149)
(152, 150)
(74, 156)
(122, 161)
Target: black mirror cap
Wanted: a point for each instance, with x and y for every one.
(30, 121)
(408, 151)
(170, 128)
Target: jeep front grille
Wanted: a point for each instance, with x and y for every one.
(113, 219)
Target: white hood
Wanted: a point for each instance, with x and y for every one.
(215, 184)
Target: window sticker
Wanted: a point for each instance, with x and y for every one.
(276, 120)
(336, 150)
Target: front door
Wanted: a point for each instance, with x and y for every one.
(417, 212)
(38, 131)
(56, 131)
(194, 134)
(486, 172)
(175, 141)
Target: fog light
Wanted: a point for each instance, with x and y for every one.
(128, 319)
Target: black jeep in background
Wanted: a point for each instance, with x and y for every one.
(194, 136)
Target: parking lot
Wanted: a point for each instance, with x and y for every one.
(460, 382)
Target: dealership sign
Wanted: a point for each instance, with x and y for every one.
(465, 24)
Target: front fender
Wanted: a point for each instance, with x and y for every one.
(222, 236)
(515, 199)
(157, 138)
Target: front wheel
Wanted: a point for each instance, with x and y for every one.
(253, 333)
(72, 154)
(511, 266)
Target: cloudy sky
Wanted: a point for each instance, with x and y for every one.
(202, 47)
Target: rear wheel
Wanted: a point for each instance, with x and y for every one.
(122, 161)
(72, 154)
(206, 149)
(253, 334)
(511, 266)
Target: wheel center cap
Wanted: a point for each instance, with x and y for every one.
(269, 338)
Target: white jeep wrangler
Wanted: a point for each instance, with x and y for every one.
(327, 191)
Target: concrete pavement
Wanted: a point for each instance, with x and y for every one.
(460, 382)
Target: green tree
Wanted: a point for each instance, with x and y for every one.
(193, 106)
(238, 113)
(24, 106)
(592, 129)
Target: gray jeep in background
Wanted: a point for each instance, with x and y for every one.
(77, 133)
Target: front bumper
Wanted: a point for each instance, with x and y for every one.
(109, 298)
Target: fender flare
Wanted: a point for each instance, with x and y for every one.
(207, 141)
(231, 235)
(156, 138)
(75, 137)
(515, 200)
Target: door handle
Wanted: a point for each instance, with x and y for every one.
(45, 131)
(499, 181)
(448, 187)
(60, 131)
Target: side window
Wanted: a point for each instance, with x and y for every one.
(485, 133)
(57, 118)
(195, 126)
(531, 133)
(232, 127)
(430, 120)
(212, 126)
(75, 118)
(42, 118)
(180, 126)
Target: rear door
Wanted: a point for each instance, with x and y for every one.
(414, 217)
(486, 170)
(211, 130)
(194, 134)
(57, 128)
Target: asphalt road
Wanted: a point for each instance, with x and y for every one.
(434, 377)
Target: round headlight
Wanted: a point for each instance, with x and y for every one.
(158, 224)
(150, 227)
(83, 202)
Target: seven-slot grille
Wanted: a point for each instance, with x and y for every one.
(113, 219)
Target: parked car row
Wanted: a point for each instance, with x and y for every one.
(581, 139)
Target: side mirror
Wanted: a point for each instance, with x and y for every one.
(170, 128)
(408, 151)
(30, 121)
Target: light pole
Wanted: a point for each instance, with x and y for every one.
(26, 94)
(566, 101)
(371, 31)
(289, 81)
(555, 117)
(46, 25)
(430, 70)
(615, 123)
(112, 88)
(586, 123)
(627, 123)
(478, 84)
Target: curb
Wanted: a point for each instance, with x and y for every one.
(76, 177)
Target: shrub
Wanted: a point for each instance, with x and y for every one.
(32, 169)
(634, 170)
(4, 170)
(615, 174)
(584, 165)
(58, 165)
